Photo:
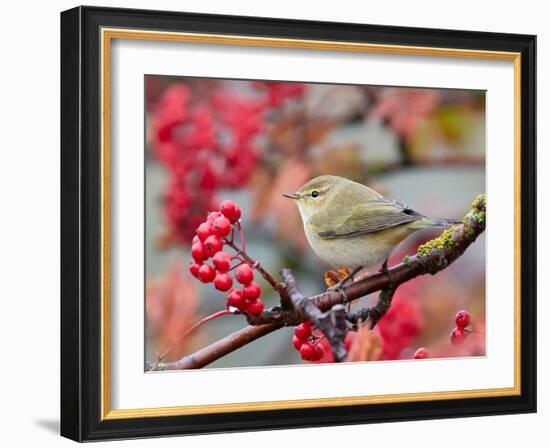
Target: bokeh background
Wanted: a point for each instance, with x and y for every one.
(249, 141)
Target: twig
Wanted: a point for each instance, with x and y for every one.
(241, 236)
(370, 316)
(431, 258)
(277, 286)
(187, 332)
(332, 323)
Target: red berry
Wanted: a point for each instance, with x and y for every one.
(237, 213)
(195, 239)
(222, 261)
(421, 353)
(297, 342)
(463, 319)
(319, 352)
(212, 216)
(204, 231)
(206, 273)
(198, 253)
(244, 274)
(230, 210)
(223, 282)
(252, 291)
(307, 351)
(303, 331)
(255, 307)
(221, 226)
(194, 269)
(212, 245)
(458, 335)
(235, 298)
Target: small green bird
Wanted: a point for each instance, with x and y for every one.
(350, 225)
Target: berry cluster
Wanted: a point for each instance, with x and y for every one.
(307, 343)
(211, 236)
(459, 333)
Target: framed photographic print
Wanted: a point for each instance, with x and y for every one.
(273, 224)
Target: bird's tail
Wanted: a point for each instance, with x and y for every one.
(426, 223)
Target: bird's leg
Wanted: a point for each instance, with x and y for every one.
(338, 286)
(384, 270)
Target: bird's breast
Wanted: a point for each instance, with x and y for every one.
(365, 250)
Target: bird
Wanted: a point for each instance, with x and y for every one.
(348, 224)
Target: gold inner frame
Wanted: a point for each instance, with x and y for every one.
(107, 35)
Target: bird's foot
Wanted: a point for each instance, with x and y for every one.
(336, 287)
(333, 277)
(340, 284)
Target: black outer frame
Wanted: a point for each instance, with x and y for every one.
(80, 223)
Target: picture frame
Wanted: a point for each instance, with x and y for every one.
(87, 34)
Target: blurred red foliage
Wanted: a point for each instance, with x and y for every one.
(404, 109)
(278, 92)
(206, 145)
(207, 142)
(171, 308)
(398, 328)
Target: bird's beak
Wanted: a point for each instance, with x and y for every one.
(291, 195)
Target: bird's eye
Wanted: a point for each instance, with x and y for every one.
(314, 194)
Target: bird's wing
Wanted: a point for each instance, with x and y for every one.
(371, 216)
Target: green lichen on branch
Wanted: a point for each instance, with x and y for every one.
(480, 203)
(444, 241)
(478, 211)
(443, 250)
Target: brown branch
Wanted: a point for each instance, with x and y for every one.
(219, 348)
(431, 258)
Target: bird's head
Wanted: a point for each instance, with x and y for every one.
(314, 194)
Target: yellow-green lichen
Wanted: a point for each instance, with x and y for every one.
(480, 203)
(469, 231)
(477, 216)
(447, 240)
(444, 241)
(478, 212)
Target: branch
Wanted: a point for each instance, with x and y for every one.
(432, 257)
(218, 349)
